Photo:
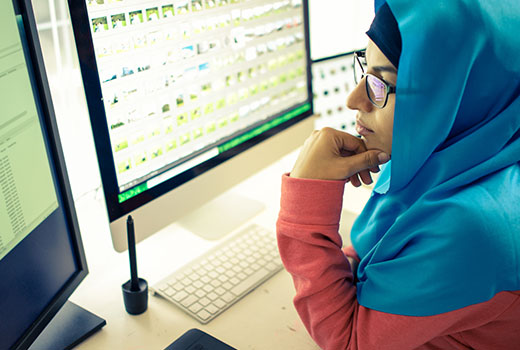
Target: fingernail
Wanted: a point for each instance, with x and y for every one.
(383, 157)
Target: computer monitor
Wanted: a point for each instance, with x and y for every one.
(185, 99)
(337, 27)
(41, 253)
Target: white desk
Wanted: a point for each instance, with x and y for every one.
(263, 320)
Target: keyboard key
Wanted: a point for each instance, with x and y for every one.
(204, 301)
(190, 299)
(249, 282)
(204, 314)
(195, 308)
(223, 278)
(180, 296)
(215, 283)
(219, 303)
(169, 291)
(227, 297)
(271, 266)
(212, 296)
(163, 286)
(194, 276)
(212, 309)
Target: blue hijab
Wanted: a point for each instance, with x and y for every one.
(441, 230)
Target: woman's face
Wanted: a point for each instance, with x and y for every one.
(375, 124)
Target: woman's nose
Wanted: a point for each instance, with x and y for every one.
(358, 98)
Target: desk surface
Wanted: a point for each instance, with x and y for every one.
(263, 320)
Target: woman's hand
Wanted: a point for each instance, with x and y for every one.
(329, 154)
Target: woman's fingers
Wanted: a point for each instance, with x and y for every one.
(365, 177)
(354, 180)
(330, 154)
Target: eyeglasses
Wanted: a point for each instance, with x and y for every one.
(377, 89)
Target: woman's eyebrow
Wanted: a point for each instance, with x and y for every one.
(381, 69)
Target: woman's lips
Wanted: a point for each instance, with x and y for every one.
(363, 130)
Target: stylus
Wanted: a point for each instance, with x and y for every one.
(134, 284)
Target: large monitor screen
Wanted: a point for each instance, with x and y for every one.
(176, 87)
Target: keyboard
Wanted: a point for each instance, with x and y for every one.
(210, 284)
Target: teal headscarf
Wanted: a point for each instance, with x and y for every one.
(441, 230)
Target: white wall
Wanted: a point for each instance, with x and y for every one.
(338, 26)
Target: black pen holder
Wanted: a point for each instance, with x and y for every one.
(136, 301)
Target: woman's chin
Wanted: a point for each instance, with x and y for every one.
(371, 144)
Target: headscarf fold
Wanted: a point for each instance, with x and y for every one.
(441, 230)
(384, 32)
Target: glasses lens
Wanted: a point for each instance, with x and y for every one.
(376, 90)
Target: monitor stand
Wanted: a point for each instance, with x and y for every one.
(71, 325)
(221, 215)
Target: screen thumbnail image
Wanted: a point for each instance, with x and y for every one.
(118, 21)
(167, 11)
(99, 24)
(196, 5)
(136, 17)
(95, 2)
(152, 14)
(182, 7)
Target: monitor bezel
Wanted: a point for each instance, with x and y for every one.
(91, 82)
(25, 9)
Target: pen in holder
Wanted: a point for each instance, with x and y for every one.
(135, 291)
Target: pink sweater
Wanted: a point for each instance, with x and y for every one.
(311, 250)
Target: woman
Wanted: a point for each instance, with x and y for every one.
(438, 242)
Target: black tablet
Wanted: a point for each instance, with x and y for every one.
(195, 339)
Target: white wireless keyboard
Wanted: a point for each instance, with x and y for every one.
(207, 286)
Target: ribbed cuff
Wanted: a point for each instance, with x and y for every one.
(311, 202)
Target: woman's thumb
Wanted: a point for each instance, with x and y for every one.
(365, 160)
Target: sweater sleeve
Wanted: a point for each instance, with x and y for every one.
(311, 250)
